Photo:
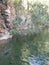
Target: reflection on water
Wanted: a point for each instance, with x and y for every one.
(32, 50)
(27, 50)
(5, 53)
(33, 60)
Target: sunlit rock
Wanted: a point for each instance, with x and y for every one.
(5, 37)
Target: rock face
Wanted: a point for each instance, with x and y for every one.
(5, 37)
(2, 17)
(7, 15)
(6, 18)
(10, 12)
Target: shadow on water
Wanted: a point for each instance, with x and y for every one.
(5, 53)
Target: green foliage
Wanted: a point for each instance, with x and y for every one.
(13, 32)
(39, 13)
(38, 20)
(17, 2)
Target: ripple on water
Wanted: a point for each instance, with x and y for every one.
(33, 60)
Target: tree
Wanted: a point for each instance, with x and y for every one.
(36, 19)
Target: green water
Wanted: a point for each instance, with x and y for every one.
(25, 46)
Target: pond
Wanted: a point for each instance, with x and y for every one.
(28, 50)
(31, 49)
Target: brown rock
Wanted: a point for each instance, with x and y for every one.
(2, 8)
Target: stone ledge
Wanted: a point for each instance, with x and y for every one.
(5, 38)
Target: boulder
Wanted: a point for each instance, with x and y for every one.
(5, 38)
